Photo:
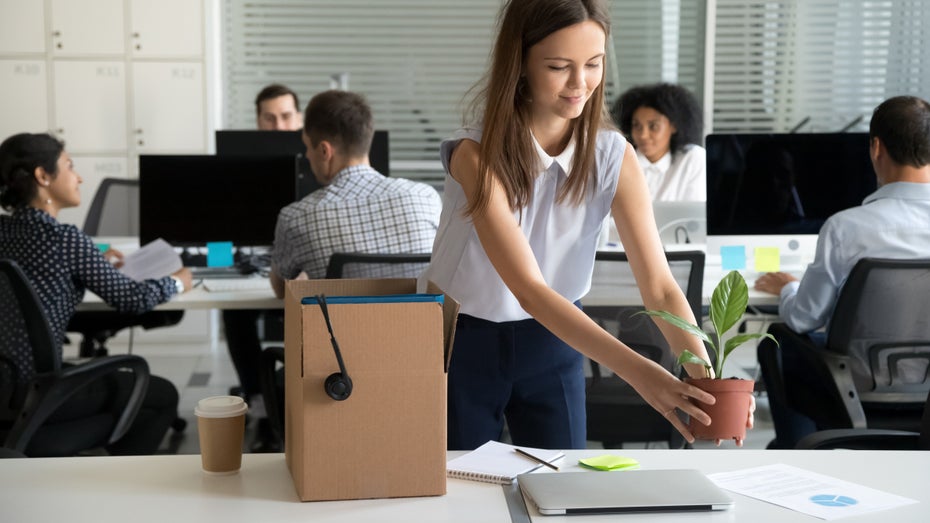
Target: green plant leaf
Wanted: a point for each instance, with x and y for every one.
(689, 357)
(728, 302)
(739, 339)
(681, 323)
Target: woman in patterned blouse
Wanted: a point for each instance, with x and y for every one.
(37, 180)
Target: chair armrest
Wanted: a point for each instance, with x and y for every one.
(860, 439)
(50, 390)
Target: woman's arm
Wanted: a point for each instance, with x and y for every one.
(510, 253)
(115, 288)
(632, 212)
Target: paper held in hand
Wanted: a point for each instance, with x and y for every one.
(155, 259)
(496, 462)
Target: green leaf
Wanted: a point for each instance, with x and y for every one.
(728, 302)
(679, 322)
(689, 357)
(740, 339)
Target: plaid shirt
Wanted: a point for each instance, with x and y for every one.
(360, 211)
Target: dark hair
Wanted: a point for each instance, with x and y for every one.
(902, 124)
(341, 117)
(271, 92)
(674, 101)
(20, 155)
(506, 148)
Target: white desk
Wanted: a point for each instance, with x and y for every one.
(172, 488)
(200, 298)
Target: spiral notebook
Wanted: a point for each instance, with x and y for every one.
(496, 462)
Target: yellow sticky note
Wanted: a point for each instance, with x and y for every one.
(767, 259)
(609, 462)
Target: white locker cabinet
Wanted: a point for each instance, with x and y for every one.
(23, 104)
(90, 105)
(168, 107)
(166, 28)
(87, 27)
(22, 27)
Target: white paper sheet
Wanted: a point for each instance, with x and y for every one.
(815, 494)
(155, 259)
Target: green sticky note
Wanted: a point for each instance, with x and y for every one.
(609, 462)
(767, 259)
(103, 247)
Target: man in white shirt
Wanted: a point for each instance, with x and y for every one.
(892, 222)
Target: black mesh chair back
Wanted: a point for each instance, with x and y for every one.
(616, 413)
(114, 210)
(881, 322)
(34, 383)
(376, 265)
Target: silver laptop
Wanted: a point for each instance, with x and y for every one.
(670, 490)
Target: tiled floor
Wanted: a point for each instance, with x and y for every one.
(204, 369)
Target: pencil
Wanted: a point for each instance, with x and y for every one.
(537, 460)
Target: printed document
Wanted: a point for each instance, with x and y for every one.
(815, 494)
(155, 259)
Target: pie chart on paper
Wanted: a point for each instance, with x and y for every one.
(831, 500)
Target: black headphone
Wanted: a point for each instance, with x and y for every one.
(338, 385)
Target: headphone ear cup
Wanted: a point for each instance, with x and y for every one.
(338, 386)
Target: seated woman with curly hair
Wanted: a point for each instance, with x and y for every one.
(664, 122)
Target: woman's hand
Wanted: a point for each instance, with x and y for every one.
(667, 394)
(114, 256)
(187, 278)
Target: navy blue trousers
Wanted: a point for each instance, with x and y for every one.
(519, 371)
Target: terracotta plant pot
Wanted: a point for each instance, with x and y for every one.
(728, 414)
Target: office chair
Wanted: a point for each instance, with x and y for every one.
(877, 355)
(341, 265)
(114, 211)
(871, 439)
(616, 413)
(33, 382)
(376, 265)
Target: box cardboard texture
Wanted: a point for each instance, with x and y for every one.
(388, 439)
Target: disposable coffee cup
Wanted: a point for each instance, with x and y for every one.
(221, 424)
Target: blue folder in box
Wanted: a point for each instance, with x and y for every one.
(387, 298)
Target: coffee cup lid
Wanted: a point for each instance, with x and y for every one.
(220, 407)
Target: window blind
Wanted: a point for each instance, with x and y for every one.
(414, 60)
(815, 65)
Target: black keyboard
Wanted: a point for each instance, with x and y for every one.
(216, 272)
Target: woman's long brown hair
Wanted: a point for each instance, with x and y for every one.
(507, 152)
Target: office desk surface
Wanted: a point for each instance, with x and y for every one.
(200, 298)
(173, 488)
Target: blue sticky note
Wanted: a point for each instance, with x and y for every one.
(733, 257)
(219, 254)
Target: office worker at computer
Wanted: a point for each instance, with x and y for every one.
(664, 122)
(892, 222)
(525, 196)
(37, 180)
(276, 109)
(358, 209)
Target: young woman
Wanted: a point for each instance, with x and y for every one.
(525, 195)
(664, 122)
(37, 179)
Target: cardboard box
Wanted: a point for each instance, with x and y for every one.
(388, 439)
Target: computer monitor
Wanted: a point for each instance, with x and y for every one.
(263, 143)
(778, 189)
(193, 200)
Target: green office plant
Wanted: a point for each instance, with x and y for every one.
(733, 395)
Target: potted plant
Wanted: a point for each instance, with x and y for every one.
(728, 414)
